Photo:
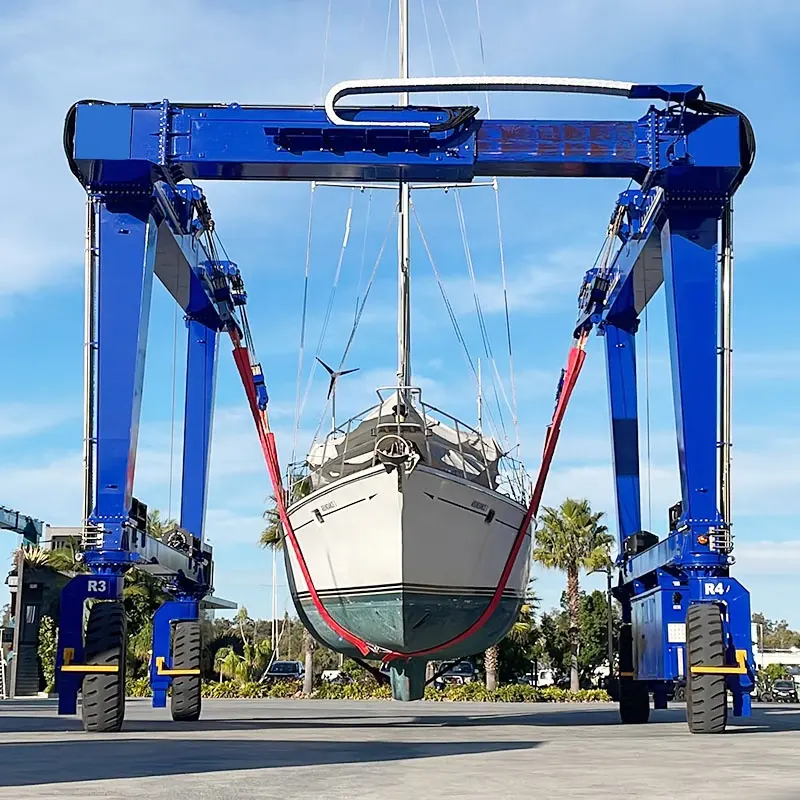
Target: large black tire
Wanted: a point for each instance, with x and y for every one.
(186, 698)
(103, 693)
(634, 698)
(706, 694)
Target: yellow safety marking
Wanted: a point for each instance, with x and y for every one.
(626, 674)
(161, 670)
(68, 666)
(91, 668)
(740, 669)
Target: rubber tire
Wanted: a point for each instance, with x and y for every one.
(634, 699)
(103, 693)
(706, 695)
(680, 694)
(186, 700)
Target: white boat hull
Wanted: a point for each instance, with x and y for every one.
(408, 561)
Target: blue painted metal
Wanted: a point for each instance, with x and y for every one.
(198, 419)
(689, 247)
(669, 238)
(136, 145)
(70, 630)
(688, 157)
(127, 245)
(182, 608)
(621, 366)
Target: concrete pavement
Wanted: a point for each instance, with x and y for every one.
(328, 749)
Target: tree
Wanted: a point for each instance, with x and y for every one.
(775, 635)
(159, 528)
(593, 635)
(67, 558)
(570, 539)
(272, 537)
(496, 659)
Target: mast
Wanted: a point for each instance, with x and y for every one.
(403, 233)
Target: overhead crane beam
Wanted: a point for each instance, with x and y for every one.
(688, 156)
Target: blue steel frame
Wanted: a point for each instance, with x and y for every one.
(689, 157)
(672, 240)
(141, 235)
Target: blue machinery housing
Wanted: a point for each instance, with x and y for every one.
(688, 158)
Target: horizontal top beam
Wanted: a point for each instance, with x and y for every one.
(120, 146)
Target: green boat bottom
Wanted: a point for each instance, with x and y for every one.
(409, 620)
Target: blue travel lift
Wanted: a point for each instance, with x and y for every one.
(683, 615)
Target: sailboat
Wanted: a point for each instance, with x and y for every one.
(409, 519)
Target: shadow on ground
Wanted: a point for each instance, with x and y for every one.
(37, 763)
(32, 717)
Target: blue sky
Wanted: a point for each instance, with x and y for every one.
(52, 54)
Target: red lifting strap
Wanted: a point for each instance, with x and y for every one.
(575, 361)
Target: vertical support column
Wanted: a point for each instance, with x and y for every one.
(622, 396)
(70, 666)
(689, 249)
(127, 248)
(161, 671)
(201, 361)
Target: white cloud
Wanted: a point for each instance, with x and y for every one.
(19, 419)
(49, 488)
(767, 557)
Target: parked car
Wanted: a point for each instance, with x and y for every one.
(781, 691)
(336, 676)
(286, 671)
(461, 673)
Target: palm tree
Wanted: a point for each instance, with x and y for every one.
(571, 538)
(272, 537)
(156, 527)
(67, 558)
(519, 630)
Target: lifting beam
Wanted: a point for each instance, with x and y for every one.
(687, 155)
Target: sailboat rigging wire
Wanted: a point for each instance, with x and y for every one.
(430, 47)
(503, 278)
(363, 252)
(483, 54)
(487, 346)
(357, 319)
(324, 330)
(452, 46)
(303, 320)
(453, 318)
(388, 28)
(325, 52)
(496, 186)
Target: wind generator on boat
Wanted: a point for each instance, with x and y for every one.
(410, 519)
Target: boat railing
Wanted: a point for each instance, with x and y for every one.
(490, 465)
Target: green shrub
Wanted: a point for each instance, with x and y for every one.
(468, 692)
(284, 689)
(47, 651)
(138, 687)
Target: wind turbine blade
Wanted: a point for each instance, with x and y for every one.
(329, 369)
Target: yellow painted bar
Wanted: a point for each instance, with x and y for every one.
(740, 669)
(161, 670)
